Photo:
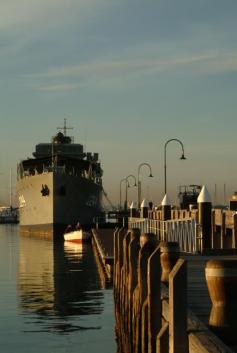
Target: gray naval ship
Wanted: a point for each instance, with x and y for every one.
(61, 185)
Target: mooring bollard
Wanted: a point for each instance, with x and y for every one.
(169, 254)
(204, 217)
(221, 277)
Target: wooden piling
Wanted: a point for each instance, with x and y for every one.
(169, 254)
(213, 230)
(204, 216)
(141, 290)
(154, 299)
(166, 208)
(144, 209)
(162, 341)
(223, 229)
(133, 211)
(234, 233)
(178, 338)
(144, 327)
(133, 253)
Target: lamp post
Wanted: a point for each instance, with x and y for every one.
(127, 186)
(139, 182)
(182, 157)
(120, 190)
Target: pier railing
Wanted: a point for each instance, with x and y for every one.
(185, 232)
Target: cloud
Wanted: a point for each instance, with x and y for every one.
(61, 87)
(26, 23)
(115, 70)
(15, 13)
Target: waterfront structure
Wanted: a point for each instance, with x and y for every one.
(8, 214)
(61, 185)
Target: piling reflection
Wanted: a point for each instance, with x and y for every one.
(58, 284)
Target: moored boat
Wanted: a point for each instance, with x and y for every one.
(61, 185)
(77, 236)
(8, 214)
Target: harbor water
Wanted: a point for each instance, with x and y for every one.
(52, 298)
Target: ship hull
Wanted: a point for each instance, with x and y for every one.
(69, 199)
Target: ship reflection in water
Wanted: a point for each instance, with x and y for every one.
(58, 286)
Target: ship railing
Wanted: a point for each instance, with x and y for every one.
(56, 169)
(185, 232)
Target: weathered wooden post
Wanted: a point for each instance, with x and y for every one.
(127, 268)
(213, 229)
(234, 234)
(145, 237)
(165, 215)
(221, 277)
(140, 293)
(178, 337)
(162, 340)
(119, 257)
(115, 261)
(144, 327)
(204, 217)
(154, 299)
(133, 252)
(124, 276)
(118, 280)
(223, 229)
(169, 255)
(166, 208)
(144, 209)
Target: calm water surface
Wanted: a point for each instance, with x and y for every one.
(52, 298)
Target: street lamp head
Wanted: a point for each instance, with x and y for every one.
(183, 157)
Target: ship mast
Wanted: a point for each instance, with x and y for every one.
(65, 128)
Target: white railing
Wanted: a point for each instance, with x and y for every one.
(185, 232)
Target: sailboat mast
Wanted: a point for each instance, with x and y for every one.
(10, 187)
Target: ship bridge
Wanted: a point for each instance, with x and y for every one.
(61, 144)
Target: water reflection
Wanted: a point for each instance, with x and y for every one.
(58, 285)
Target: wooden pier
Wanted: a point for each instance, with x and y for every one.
(170, 304)
(157, 317)
(120, 261)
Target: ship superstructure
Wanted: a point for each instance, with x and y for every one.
(60, 185)
(188, 195)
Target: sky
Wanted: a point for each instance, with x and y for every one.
(128, 76)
